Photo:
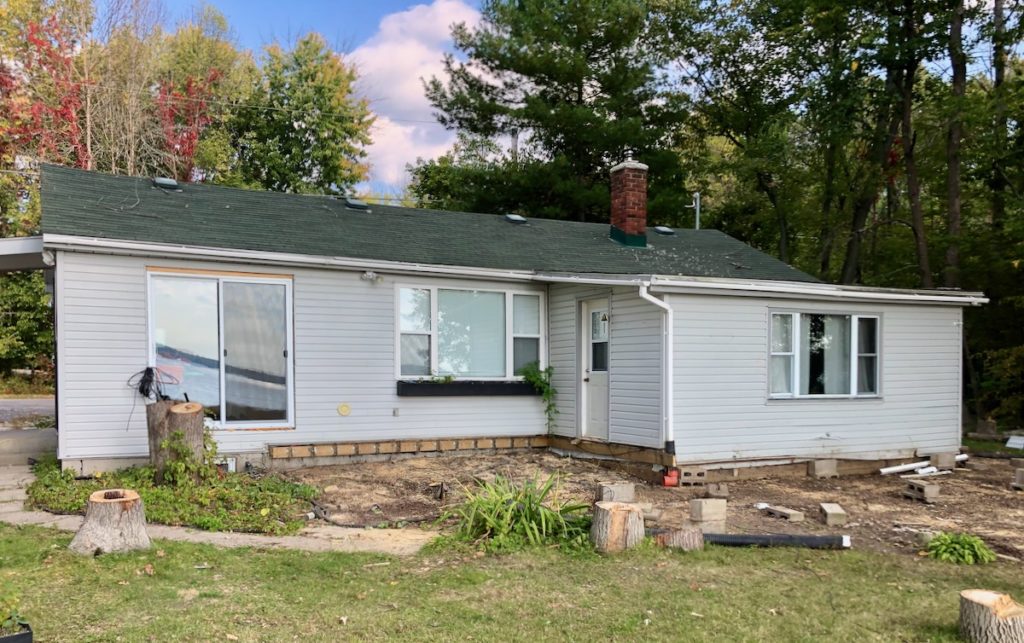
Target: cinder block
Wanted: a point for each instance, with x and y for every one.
(520, 443)
(464, 445)
(924, 491)
(302, 451)
(832, 514)
(692, 476)
(1018, 479)
(345, 448)
(943, 460)
(279, 452)
(366, 448)
(408, 446)
(615, 492)
(792, 515)
(323, 450)
(387, 447)
(1017, 463)
(711, 526)
(446, 445)
(823, 468)
(707, 509)
(485, 443)
(428, 445)
(502, 443)
(716, 490)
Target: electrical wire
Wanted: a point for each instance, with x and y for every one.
(149, 383)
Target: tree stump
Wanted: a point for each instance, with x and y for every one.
(691, 539)
(617, 526)
(115, 521)
(163, 419)
(990, 617)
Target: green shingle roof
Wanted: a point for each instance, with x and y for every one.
(92, 204)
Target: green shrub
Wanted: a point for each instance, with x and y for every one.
(962, 549)
(226, 502)
(505, 516)
(11, 620)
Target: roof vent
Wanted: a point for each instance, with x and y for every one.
(165, 183)
(355, 204)
(664, 230)
(517, 219)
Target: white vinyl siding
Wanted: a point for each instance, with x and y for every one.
(634, 362)
(344, 337)
(722, 406)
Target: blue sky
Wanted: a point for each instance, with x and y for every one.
(393, 43)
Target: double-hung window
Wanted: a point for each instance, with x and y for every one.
(823, 354)
(224, 342)
(469, 334)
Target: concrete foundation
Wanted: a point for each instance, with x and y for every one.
(823, 468)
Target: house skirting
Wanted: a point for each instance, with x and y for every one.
(305, 455)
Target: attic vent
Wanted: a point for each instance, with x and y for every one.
(165, 183)
(517, 219)
(355, 204)
(664, 230)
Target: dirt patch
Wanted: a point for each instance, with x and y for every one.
(416, 490)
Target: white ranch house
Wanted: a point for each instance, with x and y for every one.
(316, 328)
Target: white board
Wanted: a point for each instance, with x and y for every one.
(1015, 442)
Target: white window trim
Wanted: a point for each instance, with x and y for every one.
(289, 422)
(796, 317)
(510, 334)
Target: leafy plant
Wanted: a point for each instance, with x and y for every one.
(540, 379)
(962, 549)
(184, 468)
(228, 502)
(507, 516)
(11, 620)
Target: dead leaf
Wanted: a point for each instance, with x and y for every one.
(122, 582)
(148, 569)
(231, 637)
(160, 553)
(343, 620)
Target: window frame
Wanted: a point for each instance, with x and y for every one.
(221, 278)
(797, 317)
(510, 334)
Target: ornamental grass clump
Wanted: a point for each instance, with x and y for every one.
(962, 549)
(506, 516)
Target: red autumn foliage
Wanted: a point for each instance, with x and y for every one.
(183, 116)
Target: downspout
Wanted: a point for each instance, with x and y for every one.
(668, 334)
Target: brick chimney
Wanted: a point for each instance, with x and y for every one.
(629, 204)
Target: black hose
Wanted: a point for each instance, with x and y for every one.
(778, 540)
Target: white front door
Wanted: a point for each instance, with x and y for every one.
(594, 371)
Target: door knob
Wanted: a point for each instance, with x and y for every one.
(586, 379)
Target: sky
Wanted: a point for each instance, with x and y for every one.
(393, 43)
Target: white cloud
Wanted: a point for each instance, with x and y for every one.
(408, 47)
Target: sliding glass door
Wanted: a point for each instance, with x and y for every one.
(224, 342)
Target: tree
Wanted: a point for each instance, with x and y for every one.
(575, 87)
(302, 129)
(184, 115)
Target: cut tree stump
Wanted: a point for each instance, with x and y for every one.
(115, 521)
(163, 419)
(617, 526)
(689, 539)
(990, 617)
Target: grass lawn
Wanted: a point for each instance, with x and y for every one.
(201, 593)
(991, 446)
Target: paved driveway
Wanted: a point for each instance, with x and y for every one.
(16, 407)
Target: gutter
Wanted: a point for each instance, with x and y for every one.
(146, 249)
(667, 376)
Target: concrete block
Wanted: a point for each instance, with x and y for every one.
(408, 446)
(692, 476)
(387, 447)
(447, 445)
(323, 450)
(943, 460)
(711, 526)
(823, 468)
(716, 490)
(920, 490)
(832, 514)
(792, 515)
(615, 492)
(707, 509)
(345, 448)
(466, 445)
(503, 443)
(1018, 479)
(366, 448)
(303, 451)
(485, 443)
(428, 445)
(279, 452)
